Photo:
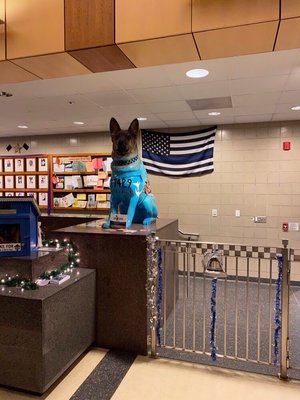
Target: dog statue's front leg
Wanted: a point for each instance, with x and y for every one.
(131, 210)
(112, 210)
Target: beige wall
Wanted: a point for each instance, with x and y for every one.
(252, 174)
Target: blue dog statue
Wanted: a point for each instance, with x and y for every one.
(130, 189)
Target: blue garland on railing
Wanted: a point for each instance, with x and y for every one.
(159, 295)
(277, 316)
(213, 319)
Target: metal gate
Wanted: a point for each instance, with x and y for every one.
(239, 319)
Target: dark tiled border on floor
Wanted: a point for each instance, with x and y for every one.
(106, 377)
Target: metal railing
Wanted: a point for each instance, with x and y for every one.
(245, 301)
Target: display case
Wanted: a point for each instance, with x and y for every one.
(25, 176)
(80, 181)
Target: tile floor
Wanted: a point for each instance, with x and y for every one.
(162, 379)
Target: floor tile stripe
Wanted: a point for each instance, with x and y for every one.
(106, 377)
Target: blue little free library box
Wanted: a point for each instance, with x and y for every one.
(18, 226)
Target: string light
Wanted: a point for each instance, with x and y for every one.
(26, 284)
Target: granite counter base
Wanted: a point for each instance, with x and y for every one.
(43, 332)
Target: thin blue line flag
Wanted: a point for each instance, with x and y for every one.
(179, 155)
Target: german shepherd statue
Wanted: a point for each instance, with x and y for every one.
(130, 189)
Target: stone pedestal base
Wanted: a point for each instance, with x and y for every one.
(32, 267)
(43, 331)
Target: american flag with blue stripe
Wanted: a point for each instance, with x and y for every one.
(177, 155)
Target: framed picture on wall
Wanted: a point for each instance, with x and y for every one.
(20, 194)
(9, 182)
(43, 199)
(9, 194)
(20, 181)
(31, 181)
(43, 181)
(8, 165)
(1, 181)
(1, 165)
(30, 164)
(31, 194)
(43, 164)
(19, 164)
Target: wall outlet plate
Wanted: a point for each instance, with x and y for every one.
(214, 212)
(260, 219)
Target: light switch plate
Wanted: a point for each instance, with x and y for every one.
(214, 212)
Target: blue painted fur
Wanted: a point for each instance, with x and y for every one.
(130, 190)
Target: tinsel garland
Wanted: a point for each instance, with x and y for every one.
(213, 318)
(16, 281)
(277, 315)
(152, 272)
(159, 295)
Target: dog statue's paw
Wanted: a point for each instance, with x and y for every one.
(148, 221)
(105, 225)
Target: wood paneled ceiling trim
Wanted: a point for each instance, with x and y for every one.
(170, 50)
(11, 73)
(288, 35)
(52, 66)
(101, 59)
(228, 42)
(208, 15)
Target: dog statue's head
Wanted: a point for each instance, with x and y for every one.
(124, 142)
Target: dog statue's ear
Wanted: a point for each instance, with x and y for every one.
(134, 127)
(114, 127)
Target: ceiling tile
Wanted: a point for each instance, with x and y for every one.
(204, 90)
(253, 118)
(285, 116)
(110, 98)
(249, 66)
(167, 106)
(181, 124)
(176, 116)
(219, 69)
(290, 96)
(255, 109)
(218, 120)
(254, 99)
(138, 78)
(151, 95)
(225, 112)
(257, 85)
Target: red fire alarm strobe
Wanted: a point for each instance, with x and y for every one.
(286, 146)
(285, 227)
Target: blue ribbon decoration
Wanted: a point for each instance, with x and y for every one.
(277, 315)
(159, 295)
(213, 319)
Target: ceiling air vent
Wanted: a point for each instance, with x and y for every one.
(212, 103)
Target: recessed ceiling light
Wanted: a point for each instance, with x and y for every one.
(214, 113)
(78, 123)
(22, 126)
(295, 108)
(197, 73)
(142, 118)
